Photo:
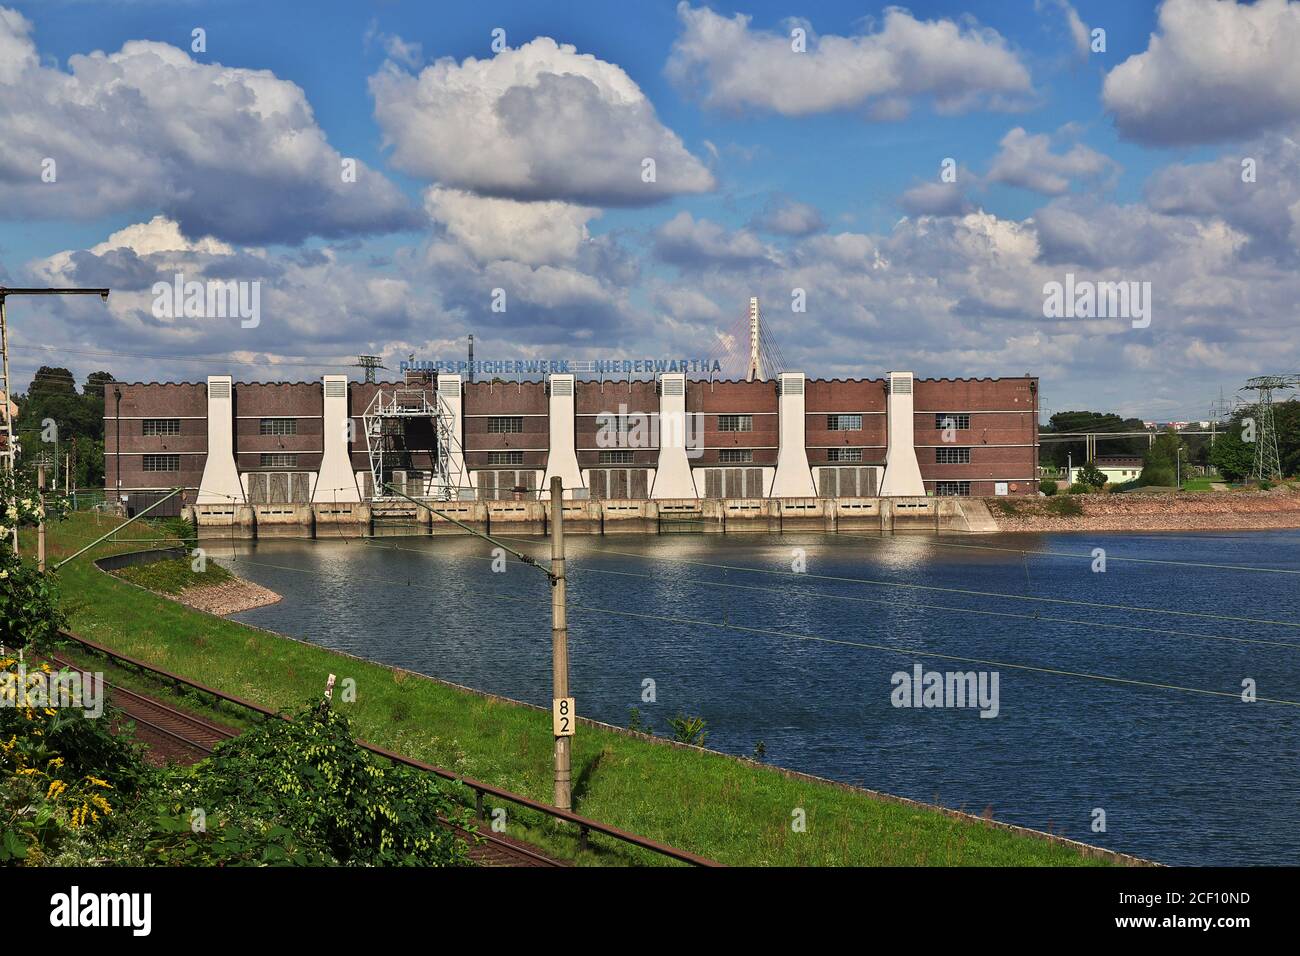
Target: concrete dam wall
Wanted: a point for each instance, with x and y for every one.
(611, 516)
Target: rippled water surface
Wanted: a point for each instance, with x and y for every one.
(1183, 777)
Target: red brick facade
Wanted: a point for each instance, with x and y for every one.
(505, 425)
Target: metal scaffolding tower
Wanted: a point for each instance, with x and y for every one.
(1268, 463)
(393, 440)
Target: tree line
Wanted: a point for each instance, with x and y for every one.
(77, 435)
(1231, 450)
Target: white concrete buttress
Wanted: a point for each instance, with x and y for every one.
(336, 481)
(902, 473)
(220, 483)
(673, 477)
(562, 457)
(793, 477)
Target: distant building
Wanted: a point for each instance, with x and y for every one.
(1116, 468)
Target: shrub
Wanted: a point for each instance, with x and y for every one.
(1090, 475)
(309, 777)
(1047, 487)
(295, 792)
(64, 776)
(28, 610)
(1078, 488)
(1158, 475)
(182, 528)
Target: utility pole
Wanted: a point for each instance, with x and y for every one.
(562, 714)
(40, 521)
(6, 393)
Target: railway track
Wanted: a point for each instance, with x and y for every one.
(175, 736)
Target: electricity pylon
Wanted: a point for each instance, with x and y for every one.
(1268, 463)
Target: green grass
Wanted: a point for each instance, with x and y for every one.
(1064, 506)
(173, 577)
(709, 804)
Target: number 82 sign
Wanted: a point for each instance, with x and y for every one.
(563, 716)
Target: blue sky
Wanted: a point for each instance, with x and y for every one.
(818, 171)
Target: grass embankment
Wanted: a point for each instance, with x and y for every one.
(175, 576)
(722, 808)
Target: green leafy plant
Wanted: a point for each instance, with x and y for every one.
(1047, 487)
(309, 776)
(1090, 475)
(635, 723)
(64, 777)
(688, 730)
(28, 604)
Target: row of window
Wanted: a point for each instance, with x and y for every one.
(173, 462)
(514, 424)
(155, 427)
(949, 488)
(942, 456)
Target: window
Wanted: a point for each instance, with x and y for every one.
(943, 420)
(279, 461)
(505, 424)
(736, 423)
(733, 456)
(615, 458)
(844, 454)
(162, 426)
(952, 488)
(277, 426)
(505, 458)
(162, 462)
(844, 423)
(952, 456)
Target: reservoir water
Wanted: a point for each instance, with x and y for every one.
(805, 663)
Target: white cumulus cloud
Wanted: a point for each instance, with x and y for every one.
(223, 151)
(1213, 70)
(736, 67)
(535, 123)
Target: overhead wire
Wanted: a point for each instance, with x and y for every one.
(902, 651)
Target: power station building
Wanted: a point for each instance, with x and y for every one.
(435, 436)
